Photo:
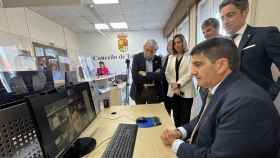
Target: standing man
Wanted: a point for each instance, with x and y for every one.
(210, 28)
(239, 120)
(147, 75)
(258, 46)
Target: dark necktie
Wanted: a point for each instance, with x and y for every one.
(202, 113)
(203, 94)
(233, 36)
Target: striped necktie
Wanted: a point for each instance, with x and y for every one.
(209, 98)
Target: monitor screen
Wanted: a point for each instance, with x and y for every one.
(71, 77)
(58, 78)
(17, 84)
(61, 116)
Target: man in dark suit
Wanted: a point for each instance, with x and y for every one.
(147, 75)
(258, 46)
(240, 121)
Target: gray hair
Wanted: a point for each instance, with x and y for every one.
(152, 43)
(211, 22)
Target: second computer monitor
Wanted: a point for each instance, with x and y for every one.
(61, 116)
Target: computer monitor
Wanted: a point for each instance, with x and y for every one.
(61, 115)
(58, 78)
(18, 132)
(15, 85)
(71, 77)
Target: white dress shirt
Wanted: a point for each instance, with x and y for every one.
(239, 33)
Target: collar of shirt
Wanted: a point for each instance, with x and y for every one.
(213, 90)
(239, 33)
(241, 30)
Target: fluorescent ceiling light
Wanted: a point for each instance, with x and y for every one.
(101, 26)
(105, 1)
(119, 25)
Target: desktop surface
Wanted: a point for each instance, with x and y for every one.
(148, 143)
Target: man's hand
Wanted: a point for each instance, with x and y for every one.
(168, 136)
(174, 85)
(142, 73)
(177, 91)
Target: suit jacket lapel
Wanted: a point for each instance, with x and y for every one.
(155, 63)
(248, 34)
(213, 104)
(143, 58)
(182, 61)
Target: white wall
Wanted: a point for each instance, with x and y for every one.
(27, 27)
(97, 44)
(267, 13)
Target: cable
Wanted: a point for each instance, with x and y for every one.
(110, 118)
(102, 143)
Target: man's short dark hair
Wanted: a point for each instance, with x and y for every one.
(219, 47)
(242, 5)
(211, 22)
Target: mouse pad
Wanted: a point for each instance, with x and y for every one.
(149, 122)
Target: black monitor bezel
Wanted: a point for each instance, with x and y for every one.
(39, 113)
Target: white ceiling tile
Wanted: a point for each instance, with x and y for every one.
(139, 14)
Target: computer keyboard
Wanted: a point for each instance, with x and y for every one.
(122, 143)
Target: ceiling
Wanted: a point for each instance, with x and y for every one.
(139, 14)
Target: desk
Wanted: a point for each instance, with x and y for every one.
(148, 143)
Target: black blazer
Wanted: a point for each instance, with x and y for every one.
(259, 47)
(139, 64)
(240, 122)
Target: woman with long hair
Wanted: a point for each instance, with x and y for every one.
(179, 78)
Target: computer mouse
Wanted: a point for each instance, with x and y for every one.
(141, 120)
(156, 121)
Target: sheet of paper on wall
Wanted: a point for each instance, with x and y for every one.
(13, 60)
(23, 63)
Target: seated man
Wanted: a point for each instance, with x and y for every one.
(239, 120)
